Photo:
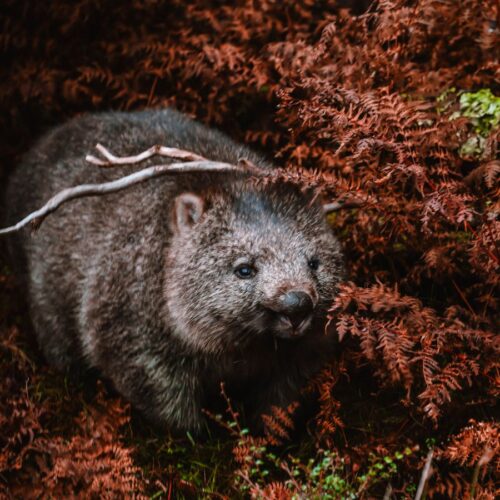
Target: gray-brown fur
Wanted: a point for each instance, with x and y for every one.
(127, 283)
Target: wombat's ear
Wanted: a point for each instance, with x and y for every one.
(188, 209)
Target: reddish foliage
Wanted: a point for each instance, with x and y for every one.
(91, 458)
(278, 424)
(477, 440)
(476, 446)
(93, 462)
(348, 104)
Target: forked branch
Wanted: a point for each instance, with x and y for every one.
(192, 163)
(84, 190)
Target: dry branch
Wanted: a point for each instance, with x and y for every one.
(195, 163)
(84, 190)
(388, 492)
(158, 150)
(335, 206)
(426, 474)
(484, 460)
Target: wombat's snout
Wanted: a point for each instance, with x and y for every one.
(294, 309)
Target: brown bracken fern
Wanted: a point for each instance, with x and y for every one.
(360, 103)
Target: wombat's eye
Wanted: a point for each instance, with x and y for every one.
(313, 263)
(245, 271)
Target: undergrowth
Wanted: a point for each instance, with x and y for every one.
(394, 104)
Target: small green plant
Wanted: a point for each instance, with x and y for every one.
(382, 468)
(483, 110)
(324, 477)
(482, 107)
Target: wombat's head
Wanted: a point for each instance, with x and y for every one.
(247, 262)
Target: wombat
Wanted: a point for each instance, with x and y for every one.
(175, 285)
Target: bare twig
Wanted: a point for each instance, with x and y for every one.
(84, 190)
(484, 460)
(388, 492)
(112, 160)
(193, 163)
(341, 204)
(426, 473)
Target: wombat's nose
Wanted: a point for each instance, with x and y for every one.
(296, 306)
